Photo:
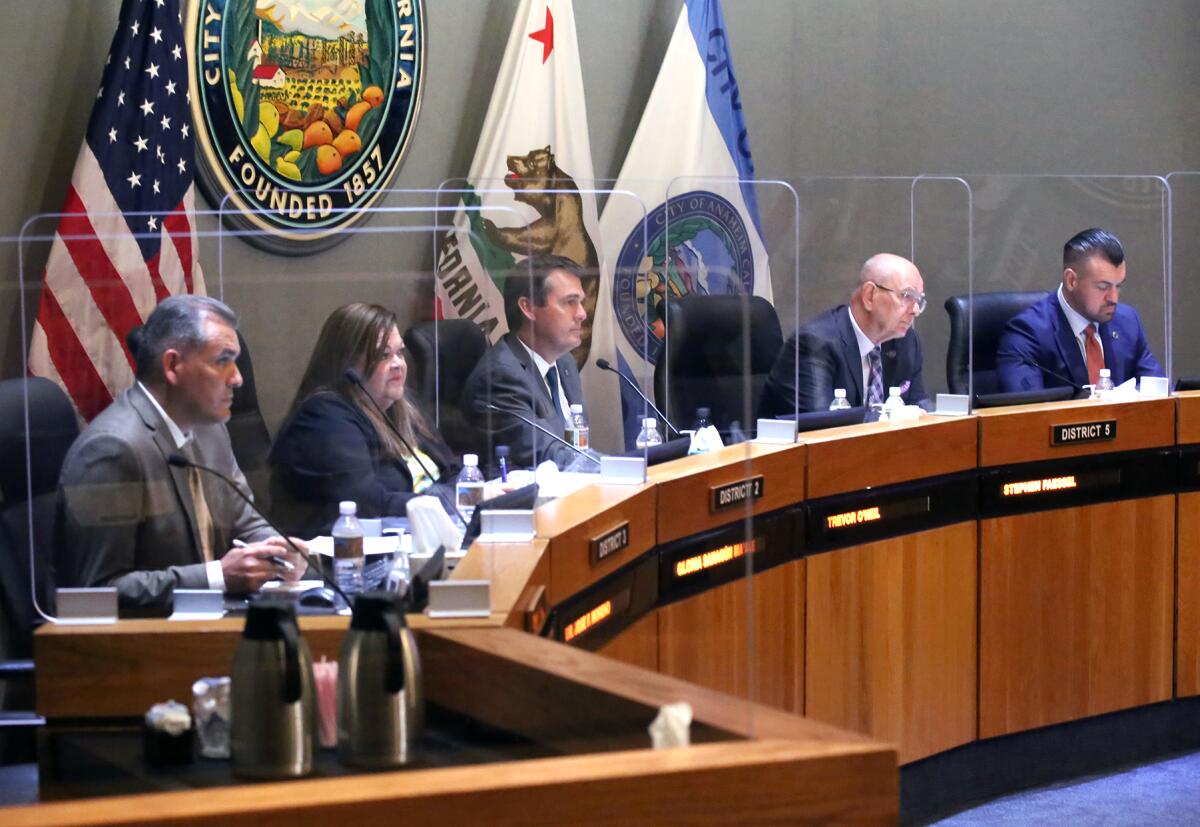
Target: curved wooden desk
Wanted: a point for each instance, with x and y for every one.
(930, 584)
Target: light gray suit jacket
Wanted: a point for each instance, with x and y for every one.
(126, 517)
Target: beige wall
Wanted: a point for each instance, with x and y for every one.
(845, 87)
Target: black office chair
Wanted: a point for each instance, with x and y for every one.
(248, 432)
(992, 313)
(717, 354)
(441, 355)
(52, 428)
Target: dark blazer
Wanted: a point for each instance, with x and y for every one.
(823, 355)
(126, 517)
(1041, 337)
(328, 451)
(507, 377)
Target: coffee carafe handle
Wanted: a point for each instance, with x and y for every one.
(291, 668)
(393, 673)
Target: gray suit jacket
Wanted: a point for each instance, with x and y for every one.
(507, 377)
(126, 517)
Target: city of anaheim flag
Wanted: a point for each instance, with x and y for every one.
(126, 237)
(707, 240)
(531, 180)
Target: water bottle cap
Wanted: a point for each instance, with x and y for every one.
(347, 508)
(577, 408)
(649, 422)
(470, 459)
(893, 391)
(703, 413)
(839, 393)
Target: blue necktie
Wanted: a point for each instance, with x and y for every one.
(874, 378)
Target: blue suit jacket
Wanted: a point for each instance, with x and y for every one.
(1038, 343)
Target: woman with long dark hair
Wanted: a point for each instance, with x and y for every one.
(337, 445)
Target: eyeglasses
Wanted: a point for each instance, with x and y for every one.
(907, 295)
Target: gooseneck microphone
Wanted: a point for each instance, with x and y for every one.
(354, 376)
(604, 364)
(1063, 379)
(481, 406)
(180, 461)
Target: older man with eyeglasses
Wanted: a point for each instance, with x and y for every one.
(865, 347)
(1080, 328)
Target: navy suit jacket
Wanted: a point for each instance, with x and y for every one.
(507, 377)
(823, 354)
(1038, 343)
(328, 451)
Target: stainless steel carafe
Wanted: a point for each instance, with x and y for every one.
(272, 714)
(379, 701)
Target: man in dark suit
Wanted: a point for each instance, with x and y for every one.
(129, 519)
(1080, 328)
(865, 347)
(530, 371)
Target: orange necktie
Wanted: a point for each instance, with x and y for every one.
(1095, 355)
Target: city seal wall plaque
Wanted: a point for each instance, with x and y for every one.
(303, 110)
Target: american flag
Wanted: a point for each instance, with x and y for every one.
(126, 239)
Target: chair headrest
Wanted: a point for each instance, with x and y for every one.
(53, 426)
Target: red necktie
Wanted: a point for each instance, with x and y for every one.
(1095, 355)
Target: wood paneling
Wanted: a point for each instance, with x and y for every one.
(874, 454)
(1188, 417)
(509, 567)
(1187, 619)
(1022, 433)
(637, 645)
(573, 521)
(760, 782)
(707, 639)
(683, 485)
(891, 641)
(1076, 613)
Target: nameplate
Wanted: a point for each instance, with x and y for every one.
(892, 510)
(1104, 430)
(622, 470)
(505, 525)
(609, 543)
(733, 494)
(459, 598)
(86, 606)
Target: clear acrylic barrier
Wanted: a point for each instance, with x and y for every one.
(1021, 223)
(1184, 249)
(843, 222)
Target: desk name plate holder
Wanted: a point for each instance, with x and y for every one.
(79, 607)
(505, 525)
(609, 543)
(733, 494)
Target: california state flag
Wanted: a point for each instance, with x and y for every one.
(693, 228)
(530, 192)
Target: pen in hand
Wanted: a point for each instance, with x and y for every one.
(286, 565)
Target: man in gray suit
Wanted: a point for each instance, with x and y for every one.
(129, 519)
(531, 371)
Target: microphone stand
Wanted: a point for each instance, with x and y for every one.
(180, 461)
(482, 406)
(604, 364)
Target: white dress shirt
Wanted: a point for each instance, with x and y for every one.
(543, 368)
(865, 346)
(1079, 326)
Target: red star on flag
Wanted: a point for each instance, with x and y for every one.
(545, 36)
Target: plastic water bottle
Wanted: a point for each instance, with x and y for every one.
(840, 402)
(893, 405)
(468, 491)
(649, 434)
(578, 429)
(348, 549)
(1104, 384)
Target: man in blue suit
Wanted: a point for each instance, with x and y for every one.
(1080, 328)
